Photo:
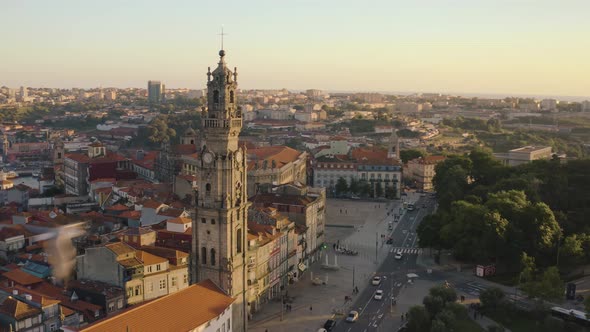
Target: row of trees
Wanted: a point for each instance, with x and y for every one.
(363, 188)
(491, 212)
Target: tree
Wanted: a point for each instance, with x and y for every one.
(551, 286)
(433, 304)
(159, 131)
(378, 189)
(341, 186)
(407, 155)
(418, 319)
(354, 186)
(447, 294)
(491, 297)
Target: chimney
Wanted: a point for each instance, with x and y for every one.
(15, 292)
(28, 297)
(139, 155)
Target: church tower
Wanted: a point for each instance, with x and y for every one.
(220, 223)
(393, 148)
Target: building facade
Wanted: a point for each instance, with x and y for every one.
(422, 171)
(219, 226)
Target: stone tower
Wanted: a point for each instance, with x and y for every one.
(393, 146)
(220, 222)
(189, 137)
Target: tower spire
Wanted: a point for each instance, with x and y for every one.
(222, 34)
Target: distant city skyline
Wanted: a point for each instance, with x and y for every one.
(509, 48)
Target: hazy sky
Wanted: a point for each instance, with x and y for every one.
(478, 46)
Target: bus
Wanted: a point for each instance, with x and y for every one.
(576, 316)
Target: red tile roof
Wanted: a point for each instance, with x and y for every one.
(22, 278)
(78, 157)
(184, 310)
(281, 155)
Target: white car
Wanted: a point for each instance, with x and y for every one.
(398, 255)
(352, 316)
(378, 295)
(376, 281)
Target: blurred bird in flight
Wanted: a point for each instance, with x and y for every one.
(60, 250)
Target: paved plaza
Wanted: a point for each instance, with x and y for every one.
(356, 225)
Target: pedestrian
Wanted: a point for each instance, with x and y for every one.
(310, 308)
(334, 246)
(340, 211)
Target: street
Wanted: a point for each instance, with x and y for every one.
(393, 273)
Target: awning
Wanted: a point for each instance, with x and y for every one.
(302, 267)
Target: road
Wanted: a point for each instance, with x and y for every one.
(392, 272)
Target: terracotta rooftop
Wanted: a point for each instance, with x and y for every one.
(21, 277)
(181, 311)
(152, 204)
(118, 207)
(180, 220)
(130, 215)
(184, 149)
(176, 213)
(164, 252)
(113, 180)
(119, 248)
(149, 259)
(17, 309)
(78, 157)
(281, 155)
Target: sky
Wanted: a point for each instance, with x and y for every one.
(512, 47)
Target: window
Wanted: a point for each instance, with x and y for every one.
(203, 220)
(215, 96)
(239, 240)
(173, 281)
(212, 257)
(111, 307)
(223, 327)
(150, 287)
(208, 188)
(163, 284)
(203, 255)
(53, 327)
(130, 292)
(212, 221)
(137, 290)
(185, 279)
(231, 96)
(158, 267)
(120, 304)
(149, 269)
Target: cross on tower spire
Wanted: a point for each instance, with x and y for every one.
(222, 34)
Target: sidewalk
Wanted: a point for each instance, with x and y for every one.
(312, 305)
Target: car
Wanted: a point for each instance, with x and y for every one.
(352, 316)
(389, 241)
(423, 195)
(378, 295)
(398, 255)
(329, 324)
(376, 280)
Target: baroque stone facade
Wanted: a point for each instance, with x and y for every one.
(220, 224)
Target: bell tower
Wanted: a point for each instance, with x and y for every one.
(393, 146)
(220, 223)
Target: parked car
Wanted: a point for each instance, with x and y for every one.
(389, 241)
(376, 281)
(329, 324)
(352, 316)
(378, 295)
(398, 255)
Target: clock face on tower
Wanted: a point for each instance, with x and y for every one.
(208, 157)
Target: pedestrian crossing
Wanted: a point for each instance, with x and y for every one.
(472, 288)
(408, 251)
